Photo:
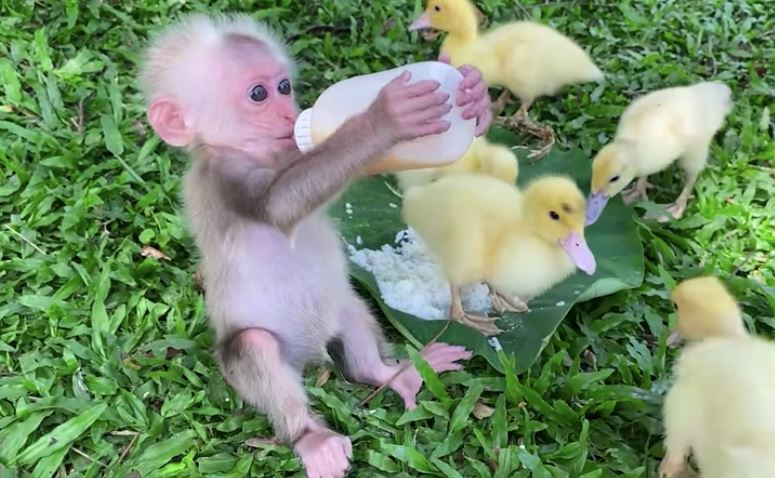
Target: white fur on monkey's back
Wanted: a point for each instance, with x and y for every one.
(295, 291)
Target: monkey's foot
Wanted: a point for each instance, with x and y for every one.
(324, 453)
(671, 466)
(502, 304)
(441, 357)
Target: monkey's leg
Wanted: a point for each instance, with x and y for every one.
(501, 303)
(365, 349)
(483, 324)
(252, 363)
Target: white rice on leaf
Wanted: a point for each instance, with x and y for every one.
(410, 279)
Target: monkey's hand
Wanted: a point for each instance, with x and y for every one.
(475, 96)
(406, 112)
(325, 454)
(441, 357)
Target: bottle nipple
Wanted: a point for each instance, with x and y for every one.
(302, 131)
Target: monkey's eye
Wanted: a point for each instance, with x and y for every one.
(615, 178)
(284, 87)
(554, 215)
(437, 8)
(258, 93)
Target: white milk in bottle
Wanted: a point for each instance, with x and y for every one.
(354, 95)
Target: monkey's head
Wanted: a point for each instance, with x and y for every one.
(220, 81)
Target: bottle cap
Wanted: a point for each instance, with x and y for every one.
(302, 131)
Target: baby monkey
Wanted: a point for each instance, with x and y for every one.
(274, 270)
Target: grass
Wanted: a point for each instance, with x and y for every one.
(105, 365)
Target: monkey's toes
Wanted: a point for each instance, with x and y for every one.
(329, 458)
(444, 357)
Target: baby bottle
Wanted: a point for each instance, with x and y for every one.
(354, 95)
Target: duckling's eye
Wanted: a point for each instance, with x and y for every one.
(437, 8)
(258, 93)
(284, 87)
(615, 178)
(554, 215)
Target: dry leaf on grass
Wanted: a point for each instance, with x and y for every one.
(323, 377)
(257, 442)
(482, 411)
(154, 253)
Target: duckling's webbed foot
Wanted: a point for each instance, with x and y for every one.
(636, 192)
(676, 210)
(499, 105)
(543, 150)
(502, 304)
(522, 121)
(483, 324)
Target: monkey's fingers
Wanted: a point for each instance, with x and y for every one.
(478, 108)
(433, 113)
(483, 123)
(399, 80)
(419, 89)
(476, 94)
(423, 103)
(426, 129)
(471, 77)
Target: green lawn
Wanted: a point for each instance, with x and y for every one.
(105, 362)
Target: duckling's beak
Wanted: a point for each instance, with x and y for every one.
(579, 252)
(422, 22)
(595, 204)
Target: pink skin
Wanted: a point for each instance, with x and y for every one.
(361, 344)
(475, 95)
(280, 111)
(262, 128)
(441, 358)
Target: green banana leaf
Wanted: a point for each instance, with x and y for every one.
(369, 213)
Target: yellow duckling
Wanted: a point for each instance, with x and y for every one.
(529, 59)
(657, 129)
(484, 230)
(721, 404)
(482, 156)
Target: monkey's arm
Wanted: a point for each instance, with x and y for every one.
(285, 196)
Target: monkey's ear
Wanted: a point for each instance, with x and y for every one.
(166, 118)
